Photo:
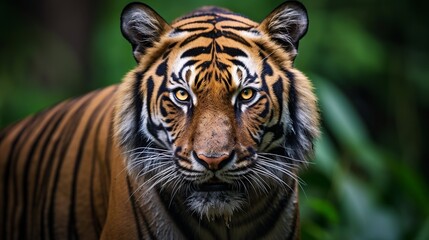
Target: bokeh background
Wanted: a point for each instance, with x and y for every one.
(368, 61)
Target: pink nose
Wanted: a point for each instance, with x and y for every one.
(214, 163)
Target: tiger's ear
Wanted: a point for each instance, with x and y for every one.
(286, 25)
(142, 27)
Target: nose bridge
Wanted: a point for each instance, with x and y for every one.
(214, 133)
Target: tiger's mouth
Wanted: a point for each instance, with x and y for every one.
(213, 187)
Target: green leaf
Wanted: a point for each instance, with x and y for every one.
(325, 209)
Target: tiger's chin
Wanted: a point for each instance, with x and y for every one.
(215, 205)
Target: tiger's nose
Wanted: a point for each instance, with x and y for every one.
(214, 162)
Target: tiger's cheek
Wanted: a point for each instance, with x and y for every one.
(173, 119)
(254, 121)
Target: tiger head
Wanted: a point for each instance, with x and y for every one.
(215, 112)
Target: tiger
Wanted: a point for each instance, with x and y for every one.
(203, 139)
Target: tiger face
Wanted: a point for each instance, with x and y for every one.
(215, 114)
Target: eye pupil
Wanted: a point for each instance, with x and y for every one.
(181, 95)
(246, 94)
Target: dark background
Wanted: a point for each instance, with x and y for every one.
(368, 61)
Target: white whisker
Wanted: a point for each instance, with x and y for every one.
(267, 173)
(260, 183)
(282, 157)
(276, 161)
(155, 180)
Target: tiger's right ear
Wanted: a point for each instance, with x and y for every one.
(142, 27)
(286, 25)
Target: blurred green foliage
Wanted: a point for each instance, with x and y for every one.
(368, 61)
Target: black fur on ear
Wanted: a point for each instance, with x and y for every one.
(142, 27)
(286, 25)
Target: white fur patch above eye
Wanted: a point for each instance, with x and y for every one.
(188, 74)
(186, 78)
(238, 75)
(253, 33)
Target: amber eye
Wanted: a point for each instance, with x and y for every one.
(181, 94)
(247, 94)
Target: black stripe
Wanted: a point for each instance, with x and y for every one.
(40, 193)
(3, 134)
(216, 34)
(256, 140)
(267, 108)
(96, 222)
(197, 51)
(205, 21)
(294, 226)
(72, 229)
(150, 88)
(175, 209)
(293, 100)
(138, 100)
(236, 37)
(224, 18)
(216, 18)
(137, 139)
(241, 28)
(168, 51)
(6, 178)
(108, 159)
(234, 52)
(266, 68)
(194, 29)
(189, 40)
(261, 47)
(283, 203)
(221, 19)
(162, 68)
(66, 138)
(278, 90)
(16, 159)
(134, 209)
(291, 134)
(203, 66)
(45, 187)
(29, 161)
(5, 131)
(177, 79)
(239, 63)
(40, 186)
(274, 215)
(151, 127)
(258, 213)
(278, 128)
(189, 63)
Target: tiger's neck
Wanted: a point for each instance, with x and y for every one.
(272, 216)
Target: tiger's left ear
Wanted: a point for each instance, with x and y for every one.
(286, 25)
(142, 27)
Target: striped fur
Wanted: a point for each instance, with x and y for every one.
(202, 140)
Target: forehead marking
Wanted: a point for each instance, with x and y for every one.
(220, 41)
